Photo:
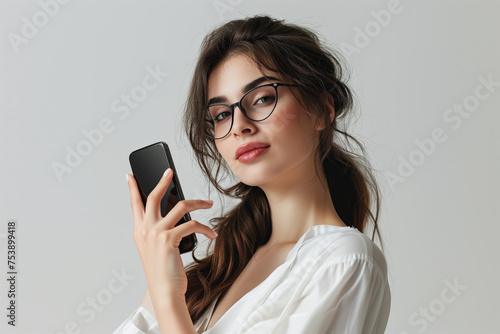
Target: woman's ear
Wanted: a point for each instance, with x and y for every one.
(331, 107)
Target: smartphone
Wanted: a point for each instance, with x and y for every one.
(148, 165)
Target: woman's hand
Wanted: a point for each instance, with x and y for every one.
(157, 238)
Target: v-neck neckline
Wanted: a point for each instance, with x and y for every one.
(318, 229)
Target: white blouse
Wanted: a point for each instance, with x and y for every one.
(334, 280)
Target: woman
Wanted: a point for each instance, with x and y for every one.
(265, 104)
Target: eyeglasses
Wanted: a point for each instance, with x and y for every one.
(257, 104)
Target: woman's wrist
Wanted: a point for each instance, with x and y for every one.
(173, 315)
(147, 303)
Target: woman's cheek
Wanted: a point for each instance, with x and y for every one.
(283, 120)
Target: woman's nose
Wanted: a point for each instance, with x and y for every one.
(241, 122)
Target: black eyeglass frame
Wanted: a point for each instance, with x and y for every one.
(240, 107)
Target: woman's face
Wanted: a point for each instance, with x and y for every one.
(289, 131)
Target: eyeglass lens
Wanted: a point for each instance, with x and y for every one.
(257, 105)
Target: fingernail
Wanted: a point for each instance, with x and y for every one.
(209, 201)
(126, 176)
(215, 233)
(167, 172)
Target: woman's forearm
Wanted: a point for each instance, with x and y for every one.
(173, 316)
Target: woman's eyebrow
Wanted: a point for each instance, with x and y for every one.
(246, 88)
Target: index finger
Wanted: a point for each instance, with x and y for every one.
(135, 200)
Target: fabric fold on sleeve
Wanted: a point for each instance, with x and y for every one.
(350, 297)
(141, 321)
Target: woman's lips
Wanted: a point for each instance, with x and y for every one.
(253, 154)
(247, 147)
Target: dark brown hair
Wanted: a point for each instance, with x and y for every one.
(297, 54)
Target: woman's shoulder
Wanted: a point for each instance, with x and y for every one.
(336, 245)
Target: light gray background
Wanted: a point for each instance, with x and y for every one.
(439, 222)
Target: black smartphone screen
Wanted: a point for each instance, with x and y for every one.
(148, 165)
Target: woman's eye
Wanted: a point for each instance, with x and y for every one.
(219, 118)
(264, 99)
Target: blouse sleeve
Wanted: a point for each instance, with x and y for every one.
(351, 297)
(141, 321)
